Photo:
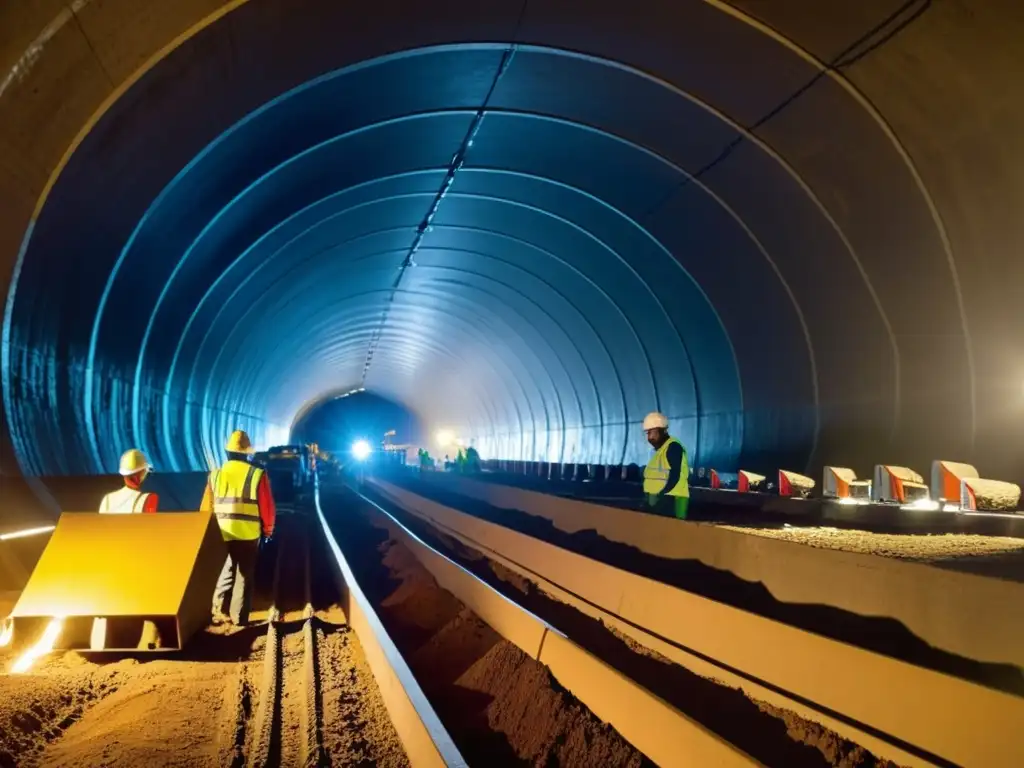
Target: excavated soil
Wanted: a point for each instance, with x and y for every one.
(193, 709)
(879, 634)
(773, 736)
(501, 707)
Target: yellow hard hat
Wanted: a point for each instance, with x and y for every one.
(239, 442)
(133, 462)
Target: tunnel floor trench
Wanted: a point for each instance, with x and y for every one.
(769, 734)
(501, 707)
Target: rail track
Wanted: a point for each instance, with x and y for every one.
(289, 712)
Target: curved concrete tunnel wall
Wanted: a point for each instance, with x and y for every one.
(684, 209)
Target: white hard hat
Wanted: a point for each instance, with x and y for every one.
(655, 420)
(133, 462)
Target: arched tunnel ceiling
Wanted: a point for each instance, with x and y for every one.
(534, 222)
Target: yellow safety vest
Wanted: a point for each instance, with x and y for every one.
(657, 472)
(235, 501)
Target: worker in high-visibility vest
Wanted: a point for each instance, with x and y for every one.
(239, 495)
(666, 478)
(129, 499)
(472, 460)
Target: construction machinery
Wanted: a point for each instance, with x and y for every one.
(120, 583)
(290, 471)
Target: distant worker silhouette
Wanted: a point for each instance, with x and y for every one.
(472, 460)
(129, 499)
(239, 495)
(666, 478)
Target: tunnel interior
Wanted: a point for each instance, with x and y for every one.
(527, 223)
(337, 422)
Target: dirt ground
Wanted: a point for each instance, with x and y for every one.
(501, 707)
(189, 710)
(76, 711)
(357, 730)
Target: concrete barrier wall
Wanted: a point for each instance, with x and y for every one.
(940, 714)
(659, 730)
(976, 617)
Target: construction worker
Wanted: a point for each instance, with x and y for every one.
(129, 499)
(666, 478)
(239, 495)
(472, 460)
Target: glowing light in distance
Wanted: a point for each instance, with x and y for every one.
(42, 647)
(26, 532)
(445, 437)
(360, 450)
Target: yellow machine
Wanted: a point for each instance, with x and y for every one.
(122, 582)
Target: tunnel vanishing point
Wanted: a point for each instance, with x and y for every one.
(795, 227)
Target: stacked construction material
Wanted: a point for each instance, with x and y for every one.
(980, 495)
(899, 484)
(946, 478)
(750, 481)
(955, 481)
(793, 484)
(842, 483)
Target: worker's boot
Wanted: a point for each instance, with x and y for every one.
(220, 618)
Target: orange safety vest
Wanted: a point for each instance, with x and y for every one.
(235, 501)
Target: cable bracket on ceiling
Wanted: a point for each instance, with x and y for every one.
(454, 166)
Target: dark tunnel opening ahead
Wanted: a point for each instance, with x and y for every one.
(535, 241)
